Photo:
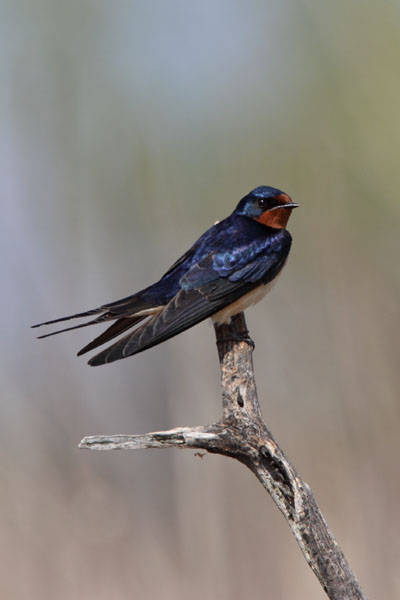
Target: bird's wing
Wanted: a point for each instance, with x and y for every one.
(186, 309)
(188, 254)
(115, 329)
(206, 288)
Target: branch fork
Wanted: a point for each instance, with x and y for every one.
(243, 434)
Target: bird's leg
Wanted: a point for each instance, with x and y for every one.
(236, 338)
(234, 331)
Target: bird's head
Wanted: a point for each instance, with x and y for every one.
(268, 206)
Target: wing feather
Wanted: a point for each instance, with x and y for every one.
(186, 309)
(203, 293)
(117, 328)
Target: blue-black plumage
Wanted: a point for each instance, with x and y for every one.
(231, 266)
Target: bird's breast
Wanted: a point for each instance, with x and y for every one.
(249, 299)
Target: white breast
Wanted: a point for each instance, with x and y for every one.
(249, 299)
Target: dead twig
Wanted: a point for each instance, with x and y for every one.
(242, 434)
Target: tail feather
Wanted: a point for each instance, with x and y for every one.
(128, 306)
(88, 313)
(125, 313)
(93, 322)
(111, 332)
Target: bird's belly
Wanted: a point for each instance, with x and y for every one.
(249, 299)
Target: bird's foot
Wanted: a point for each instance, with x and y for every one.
(237, 338)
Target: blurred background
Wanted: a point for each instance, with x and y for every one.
(128, 128)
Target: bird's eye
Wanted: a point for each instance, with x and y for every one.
(262, 202)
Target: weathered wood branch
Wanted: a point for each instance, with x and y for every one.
(242, 434)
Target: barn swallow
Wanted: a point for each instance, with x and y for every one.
(230, 267)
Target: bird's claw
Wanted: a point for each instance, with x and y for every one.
(237, 338)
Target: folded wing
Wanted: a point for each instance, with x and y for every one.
(203, 293)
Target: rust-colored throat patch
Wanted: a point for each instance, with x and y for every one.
(277, 217)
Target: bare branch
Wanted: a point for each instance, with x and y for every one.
(180, 437)
(242, 434)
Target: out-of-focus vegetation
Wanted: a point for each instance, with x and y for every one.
(127, 129)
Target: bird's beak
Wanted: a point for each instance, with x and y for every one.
(290, 205)
(284, 205)
(285, 202)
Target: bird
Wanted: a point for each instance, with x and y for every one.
(229, 268)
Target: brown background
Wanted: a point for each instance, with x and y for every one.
(128, 128)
